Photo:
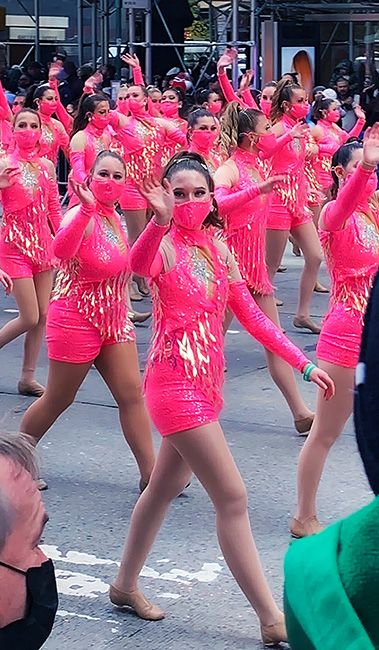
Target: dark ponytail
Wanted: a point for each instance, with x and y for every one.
(342, 158)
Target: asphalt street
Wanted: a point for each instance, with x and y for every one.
(93, 487)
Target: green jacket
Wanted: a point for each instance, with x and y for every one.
(331, 592)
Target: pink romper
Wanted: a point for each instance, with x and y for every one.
(245, 221)
(288, 202)
(352, 257)
(88, 308)
(185, 369)
(32, 214)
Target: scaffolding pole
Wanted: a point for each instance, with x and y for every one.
(36, 38)
(94, 38)
(149, 38)
(235, 31)
(80, 32)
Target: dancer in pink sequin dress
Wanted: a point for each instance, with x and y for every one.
(203, 136)
(54, 135)
(288, 210)
(349, 231)
(88, 320)
(32, 214)
(241, 189)
(5, 122)
(193, 278)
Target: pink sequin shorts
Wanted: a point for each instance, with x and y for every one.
(280, 218)
(17, 264)
(174, 403)
(340, 337)
(131, 198)
(70, 336)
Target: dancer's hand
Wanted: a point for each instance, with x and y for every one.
(371, 146)
(92, 82)
(299, 130)
(160, 197)
(84, 194)
(323, 381)
(55, 69)
(227, 58)
(131, 60)
(246, 80)
(6, 281)
(8, 176)
(267, 186)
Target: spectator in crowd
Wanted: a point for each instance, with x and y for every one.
(28, 592)
(346, 98)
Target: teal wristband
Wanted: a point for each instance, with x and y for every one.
(308, 370)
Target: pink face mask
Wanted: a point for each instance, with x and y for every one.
(266, 143)
(48, 108)
(27, 139)
(169, 109)
(333, 116)
(299, 111)
(137, 107)
(16, 108)
(265, 105)
(204, 140)
(192, 214)
(106, 191)
(215, 107)
(123, 106)
(100, 121)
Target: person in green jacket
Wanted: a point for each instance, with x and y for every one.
(331, 591)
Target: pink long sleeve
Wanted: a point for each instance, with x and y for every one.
(77, 162)
(69, 236)
(64, 141)
(357, 128)
(145, 258)
(249, 99)
(61, 112)
(177, 137)
(328, 147)
(228, 90)
(261, 327)
(6, 113)
(54, 206)
(281, 142)
(228, 201)
(349, 196)
(138, 76)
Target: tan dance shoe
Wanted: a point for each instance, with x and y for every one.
(274, 634)
(319, 288)
(31, 389)
(139, 317)
(307, 324)
(136, 601)
(310, 526)
(303, 425)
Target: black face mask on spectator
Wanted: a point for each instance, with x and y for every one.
(31, 632)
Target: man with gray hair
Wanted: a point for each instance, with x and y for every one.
(28, 592)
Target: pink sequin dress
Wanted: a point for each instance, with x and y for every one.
(351, 247)
(213, 157)
(245, 212)
(193, 280)
(288, 202)
(143, 141)
(333, 138)
(54, 137)
(81, 162)
(88, 308)
(31, 215)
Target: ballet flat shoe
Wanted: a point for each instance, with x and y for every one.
(279, 302)
(282, 269)
(274, 634)
(137, 602)
(139, 317)
(307, 324)
(303, 425)
(41, 484)
(310, 526)
(319, 288)
(32, 389)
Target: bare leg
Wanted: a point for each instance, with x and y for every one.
(119, 367)
(328, 424)
(309, 242)
(280, 371)
(64, 381)
(275, 246)
(43, 283)
(206, 452)
(26, 298)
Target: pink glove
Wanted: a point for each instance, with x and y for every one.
(77, 162)
(337, 212)
(262, 328)
(138, 76)
(54, 206)
(145, 258)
